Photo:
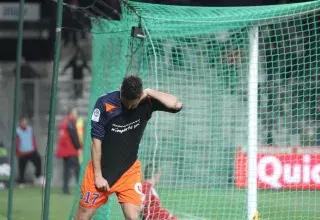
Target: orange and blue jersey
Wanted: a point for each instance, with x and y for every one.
(120, 131)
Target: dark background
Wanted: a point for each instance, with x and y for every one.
(35, 48)
(41, 49)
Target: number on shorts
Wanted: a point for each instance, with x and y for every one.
(94, 195)
(87, 198)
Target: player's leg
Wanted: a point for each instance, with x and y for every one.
(76, 167)
(130, 211)
(130, 193)
(22, 168)
(66, 175)
(90, 198)
(36, 160)
(83, 213)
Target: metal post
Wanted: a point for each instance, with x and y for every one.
(15, 109)
(53, 99)
(252, 203)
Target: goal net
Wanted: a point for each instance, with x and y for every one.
(245, 141)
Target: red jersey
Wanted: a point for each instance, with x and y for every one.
(152, 207)
(68, 142)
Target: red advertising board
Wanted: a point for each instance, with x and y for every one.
(281, 168)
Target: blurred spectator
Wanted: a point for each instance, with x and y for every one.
(80, 130)
(27, 74)
(318, 110)
(70, 22)
(318, 123)
(4, 166)
(289, 66)
(78, 63)
(27, 150)
(152, 209)
(74, 20)
(69, 147)
(177, 56)
(69, 35)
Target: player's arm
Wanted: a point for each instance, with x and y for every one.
(87, 67)
(74, 135)
(96, 157)
(67, 66)
(166, 102)
(98, 123)
(18, 146)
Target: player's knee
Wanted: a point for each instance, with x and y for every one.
(132, 217)
(84, 213)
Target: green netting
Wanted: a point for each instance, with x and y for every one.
(202, 55)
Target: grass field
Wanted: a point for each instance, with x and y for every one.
(27, 204)
(192, 204)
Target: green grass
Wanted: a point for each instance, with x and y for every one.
(230, 204)
(27, 204)
(206, 203)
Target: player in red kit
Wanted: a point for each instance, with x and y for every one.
(152, 209)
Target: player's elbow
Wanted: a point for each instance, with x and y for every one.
(96, 145)
(132, 217)
(96, 139)
(178, 107)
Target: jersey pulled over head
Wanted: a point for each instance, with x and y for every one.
(130, 92)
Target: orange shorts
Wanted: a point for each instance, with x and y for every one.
(128, 188)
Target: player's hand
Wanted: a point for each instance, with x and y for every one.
(144, 94)
(101, 183)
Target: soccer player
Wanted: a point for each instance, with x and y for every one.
(152, 209)
(69, 148)
(117, 124)
(27, 150)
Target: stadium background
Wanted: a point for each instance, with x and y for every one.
(304, 131)
(38, 35)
